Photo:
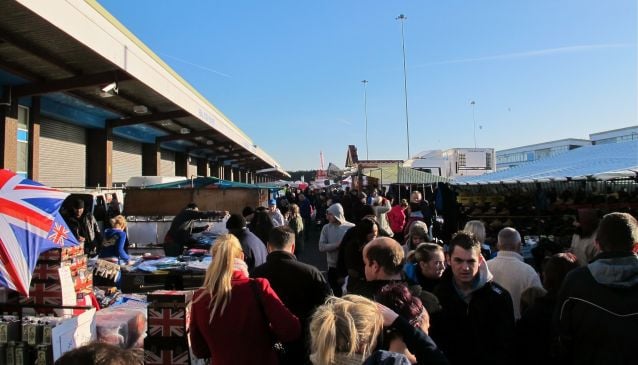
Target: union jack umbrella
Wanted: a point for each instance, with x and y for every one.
(30, 223)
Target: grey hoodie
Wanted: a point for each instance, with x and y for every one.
(332, 233)
(618, 272)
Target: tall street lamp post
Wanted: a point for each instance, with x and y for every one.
(473, 103)
(402, 19)
(365, 111)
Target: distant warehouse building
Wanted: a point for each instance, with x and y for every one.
(615, 135)
(454, 162)
(522, 155)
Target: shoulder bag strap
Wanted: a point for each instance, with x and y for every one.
(257, 292)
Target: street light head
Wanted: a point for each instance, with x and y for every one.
(401, 17)
(364, 81)
(472, 102)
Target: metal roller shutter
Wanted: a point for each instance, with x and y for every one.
(127, 160)
(167, 163)
(62, 154)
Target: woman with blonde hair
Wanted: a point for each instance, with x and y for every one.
(234, 319)
(477, 228)
(344, 331)
(295, 222)
(114, 241)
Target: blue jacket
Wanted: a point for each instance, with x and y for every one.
(113, 244)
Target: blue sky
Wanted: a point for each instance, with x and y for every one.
(289, 73)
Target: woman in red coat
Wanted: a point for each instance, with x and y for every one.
(227, 324)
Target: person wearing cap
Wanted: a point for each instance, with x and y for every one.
(84, 226)
(254, 249)
(330, 240)
(182, 227)
(275, 215)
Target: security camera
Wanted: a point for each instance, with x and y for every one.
(110, 87)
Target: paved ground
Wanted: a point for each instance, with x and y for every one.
(311, 254)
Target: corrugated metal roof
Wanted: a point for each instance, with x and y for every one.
(601, 162)
(402, 175)
(209, 182)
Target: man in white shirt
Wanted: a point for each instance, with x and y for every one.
(509, 269)
(330, 240)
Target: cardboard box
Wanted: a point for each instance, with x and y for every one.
(83, 281)
(169, 296)
(47, 270)
(44, 293)
(61, 254)
(168, 322)
(121, 325)
(166, 352)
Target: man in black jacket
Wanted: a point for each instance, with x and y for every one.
(301, 287)
(597, 309)
(476, 323)
(183, 227)
(84, 227)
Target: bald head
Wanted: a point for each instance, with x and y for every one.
(386, 253)
(509, 240)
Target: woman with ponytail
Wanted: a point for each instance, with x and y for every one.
(234, 320)
(347, 331)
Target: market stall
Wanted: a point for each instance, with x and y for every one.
(54, 298)
(541, 199)
(150, 209)
(401, 181)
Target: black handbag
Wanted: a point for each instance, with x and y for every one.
(278, 346)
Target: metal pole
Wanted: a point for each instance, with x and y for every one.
(473, 103)
(402, 18)
(365, 110)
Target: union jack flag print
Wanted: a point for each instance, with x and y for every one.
(166, 322)
(29, 224)
(167, 357)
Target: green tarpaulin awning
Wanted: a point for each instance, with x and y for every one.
(206, 182)
(403, 175)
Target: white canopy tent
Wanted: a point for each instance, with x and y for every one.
(597, 162)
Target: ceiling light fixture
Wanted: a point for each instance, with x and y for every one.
(184, 131)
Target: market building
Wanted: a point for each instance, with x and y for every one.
(517, 156)
(85, 103)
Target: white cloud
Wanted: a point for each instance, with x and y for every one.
(528, 54)
(196, 65)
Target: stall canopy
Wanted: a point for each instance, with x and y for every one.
(402, 175)
(597, 162)
(209, 182)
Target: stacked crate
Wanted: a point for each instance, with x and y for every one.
(168, 316)
(45, 285)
